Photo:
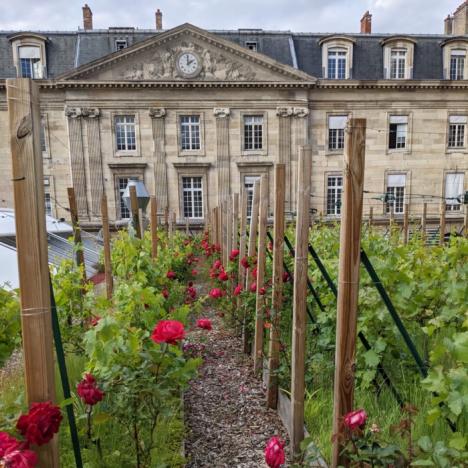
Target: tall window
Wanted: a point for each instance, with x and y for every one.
(395, 196)
(249, 182)
(398, 131)
(30, 62)
(120, 44)
(453, 191)
(253, 132)
(336, 129)
(457, 130)
(190, 132)
(43, 139)
(252, 45)
(192, 191)
(334, 191)
(122, 185)
(457, 64)
(47, 197)
(336, 64)
(125, 132)
(397, 64)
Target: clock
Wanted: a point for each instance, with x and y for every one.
(188, 64)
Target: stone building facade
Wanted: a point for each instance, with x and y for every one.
(199, 115)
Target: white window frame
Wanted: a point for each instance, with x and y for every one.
(126, 152)
(395, 196)
(252, 45)
(337, 56)
(398, 63)
(457, 65)
(339, 44)
(119, 43)
(263, 151)
(333, 194)
(49, 195)
(398, 45)
(182, 121)
(44, 137)
(248, 186)
(30, 40)
(253, 132)
(190, 126)
(336, 125)
(453, 191)
(192, 190)
(455, 47)
(457, 124)
(401, 124)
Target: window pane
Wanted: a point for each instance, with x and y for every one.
(395, 196)
(253, 132)
(190, 132)
(125, 132)
(122, 185)
(249, 182)
(43, 136)
(334, 192)
(192, 197)
(454, 191)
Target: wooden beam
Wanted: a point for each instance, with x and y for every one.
(348, 280)
(406, 224)
(277, 295)
(423, 222)
(154, 226)
(134, 210)
(107, 248)
(79, 253)
(261, 264)
(31, 242)
(235, 221)
(442, 222)
(371, 216)
(300, 299)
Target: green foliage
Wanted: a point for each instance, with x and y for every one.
(10, 325)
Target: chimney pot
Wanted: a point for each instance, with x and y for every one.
(87, 17)
(366, 23)
(158, 20)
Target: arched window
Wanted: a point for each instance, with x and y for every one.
(455, 58)
(29, 55)
(398, 58)
(30, 62)
(337, 57)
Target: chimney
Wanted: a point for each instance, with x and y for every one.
(158, 20)
(366, 23)
(448, 25)
(87, 18)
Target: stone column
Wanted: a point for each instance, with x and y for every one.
(77, 160)
(284, 148)
(222, 146)
(158, 115)
(96, 176)
(301, 132)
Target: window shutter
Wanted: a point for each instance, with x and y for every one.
(398, 119)
(457, 119)
(396, 180)
(453, 187)
(337, 122)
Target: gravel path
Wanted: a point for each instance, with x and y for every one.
(226, 416)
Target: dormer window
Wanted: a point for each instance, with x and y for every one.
(455, 64)
(337, 57)
(398, 58)
(120, 44)
(252, 45)
(336, 64)
(29, 55)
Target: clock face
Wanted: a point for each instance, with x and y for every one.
(188, 64)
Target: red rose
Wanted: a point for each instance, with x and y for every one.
(217, 264)
(95, 320)
(14, 454)
(245, 262)
(355, 419)
(165, 293)
(191, 292)
(168, 331)
(216, 293)
(223, 276)
(204, 323)
(194, 272)
(237, 290)
(170, 275)
(253, 287)
(274, 452)
(233, 255)
(254, 272)
(262, 291)
(41, 423)
(88, 391)
(286, 277)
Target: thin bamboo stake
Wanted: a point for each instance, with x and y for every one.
(243, 236)
(107, 249)
(79, 253)
(154, 226)
(406, 224)
(348, 280)
(277, 295)
(235, 221)
(261, 263)
(300, 299)
(31, 243)
(442, 222)
(228, 238)
(134, 210)
(423, 222)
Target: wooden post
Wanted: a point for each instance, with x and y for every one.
(348, 280)
(107, 249)
(391, 219)
(406, 224)
(251, 253)
(31, 243)
(465, 222)
(261, 264)
(442, 222)
(243, 235)
(423, 223)
(277, 296)
(187, 226)
(300, 299)
(371, 216)
(154, 227)
(228, 238)
(166, 218)
(235, 221)
(79, 254)
(220, 227)
(134, 210)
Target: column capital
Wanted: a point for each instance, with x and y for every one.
(300, 112)
(157, 112)
(284, 111)
(91, 112)
(221, 112)
(73, 112)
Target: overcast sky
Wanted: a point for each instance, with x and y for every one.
(405, 16)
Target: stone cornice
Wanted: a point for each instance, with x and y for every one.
(392, 84)
(337, 37)
(254, 163)
(185, 165)
(127, 165)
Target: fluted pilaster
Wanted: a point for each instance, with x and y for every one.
(284, 148)
(300, 126)
(77, 160)
(222, 146)
(158, 115)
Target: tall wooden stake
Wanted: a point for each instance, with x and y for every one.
(371, 216)
(465, 222)
(300, 299)
(228, 237)
(423, 222)
(277, 299)
(235, 221)
(187, 226)
(406, 224)
(134, 210)
(79, 254)
(243, 236)
(261, 263)
(31, 242)
(166, 218)
(107, 249)
(154, 227)
(348, 280)
(442, 222)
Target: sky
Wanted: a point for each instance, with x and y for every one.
(389, 16)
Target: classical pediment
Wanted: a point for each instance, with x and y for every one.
(186, 54)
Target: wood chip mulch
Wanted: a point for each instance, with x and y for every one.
(227, 421)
